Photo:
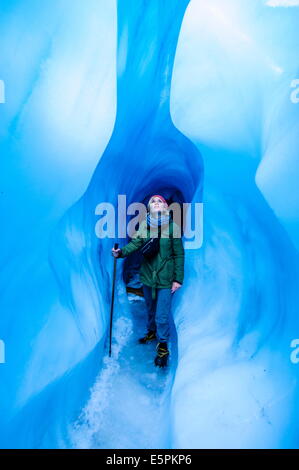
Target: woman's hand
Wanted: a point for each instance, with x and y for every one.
(175, 286)
(116, 253)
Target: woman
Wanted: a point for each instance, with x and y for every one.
(160, 275)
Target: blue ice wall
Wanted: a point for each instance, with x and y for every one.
(234, 95)
(55, 123)
(98, 103)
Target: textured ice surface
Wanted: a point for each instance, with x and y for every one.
(68, 141)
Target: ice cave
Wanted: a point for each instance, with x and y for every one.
(197, 100)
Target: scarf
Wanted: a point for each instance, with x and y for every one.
(157, 221)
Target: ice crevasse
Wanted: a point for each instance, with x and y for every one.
(133, 97)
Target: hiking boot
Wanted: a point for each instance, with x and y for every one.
(162, 355)
(150, 336)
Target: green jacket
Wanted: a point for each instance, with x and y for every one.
(168, 265)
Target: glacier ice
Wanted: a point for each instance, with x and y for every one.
(209, 119)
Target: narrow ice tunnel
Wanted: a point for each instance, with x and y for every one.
(184, 126)
(146, 154)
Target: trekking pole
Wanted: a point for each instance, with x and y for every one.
(112, 301)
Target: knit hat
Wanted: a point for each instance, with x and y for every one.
(161, 197)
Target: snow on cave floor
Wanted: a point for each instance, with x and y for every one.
(129, 402)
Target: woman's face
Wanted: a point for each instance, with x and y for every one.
(157, 205)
